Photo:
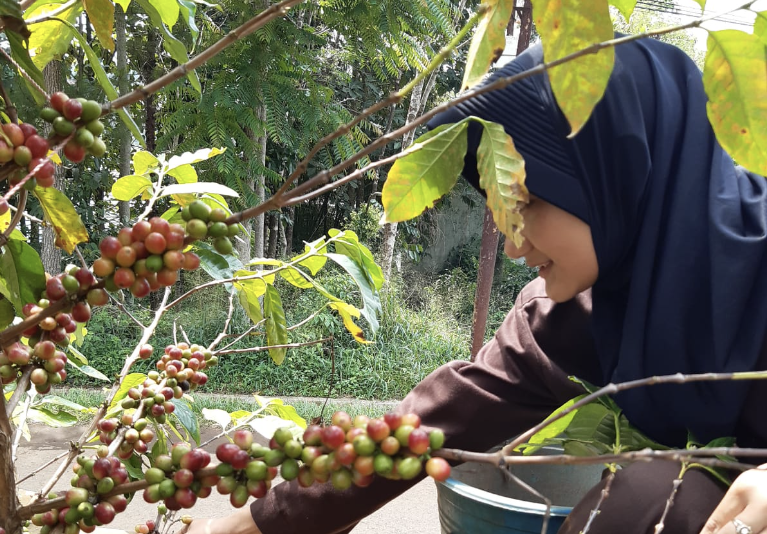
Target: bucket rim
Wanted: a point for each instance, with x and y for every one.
(499, 501)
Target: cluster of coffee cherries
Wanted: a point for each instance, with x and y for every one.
(79, 116)
(203, 222)
(89, 502)
(51, 332)
(144, 257)
(137, 437)
(21, 145)
(148, 526)
(174, 478)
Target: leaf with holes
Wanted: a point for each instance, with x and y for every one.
(502, 176)
(488, 42)
(428, 169)
(566, 27)
(736, 85)
(59, 211)
(101, 14)
(276, 325)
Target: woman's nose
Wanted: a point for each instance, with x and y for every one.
(515, 252)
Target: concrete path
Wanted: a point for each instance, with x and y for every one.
(413, 512)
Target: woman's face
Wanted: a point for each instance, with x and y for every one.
(560, 245)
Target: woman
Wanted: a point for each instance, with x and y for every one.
(645, 209)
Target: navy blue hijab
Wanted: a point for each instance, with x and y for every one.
(679, 230)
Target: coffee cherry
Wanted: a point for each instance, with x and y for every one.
(49, 114)
(191, 261)
(6, 152)
(197, 229)
(199, 210)
(140, 288)
(223, 245)
(145, 352)
(81, 312)
(72, 109)
(109, 247)
(218, 229)
(63, 127)
(378, 430)
(126, 257)
(84, 138)
(95, 127)
(43, 169)
(14, 133)
(74, 152)
(418, 441)
(98, 148)
(91, 111)
(58, 100)
(22, 156)
(37, 145)
(155, 243)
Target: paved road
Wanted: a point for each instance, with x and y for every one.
(413, 512)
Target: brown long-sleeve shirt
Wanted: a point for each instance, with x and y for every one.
(516, 381)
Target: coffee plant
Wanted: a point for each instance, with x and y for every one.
(128, 448)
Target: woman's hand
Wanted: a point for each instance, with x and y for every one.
(240, 522)
(743, 509)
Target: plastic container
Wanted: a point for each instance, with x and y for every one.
(480, 499)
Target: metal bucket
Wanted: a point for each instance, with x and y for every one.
(480, 499)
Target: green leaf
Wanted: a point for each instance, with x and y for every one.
(702, 4)
(188, 11)
(83, 366)
(160, 446)
(370, 299)
(760, 26)
(101, 14)
(736, 85)
(248, 293)
(488, 42)
(130, 381)
(20, 53)
(283, 411)
(144, 162)
(314, 256)
(553, 429)
(130, 186)
(7, 313)
(502, 176)
(66, 222)
(60, 419)
(173, 46)
(134, 467)
(217, 266)
(185, 174)
(23, 276)
(168, 10)
(186, 417)
(567, 26)
(429, 169)
(64, 403)
(626, 7)
(104, 82)
(296, 278)
(12, 19)
(348, 244)
(593, 423)
(276, 325)
(50, 40)
(188, 158)
(198, 188)
(348, 313)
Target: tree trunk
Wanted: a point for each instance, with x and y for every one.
(147, 73)
(273, 231)
(50, 255)
(390, 229)
(258, 222)
(121, 50)
(291, 213)
(282, 238)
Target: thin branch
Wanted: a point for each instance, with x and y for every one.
(183, 333)
(228, 321)
(21, 386)
(46, 464)
(8, 104)
(239, 425)
(246, 333)
(29, 217)
(309, 318)
(275, 11)
(122, 308)
(24, 74)
(16, 218)
(602, 496)
(81, 257)
(527, 487)
(31, 393)
(669, 503)
(612, 389)
(284, 346)
(394, 98)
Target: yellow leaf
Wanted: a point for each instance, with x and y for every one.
(735, 79)
(488, 42)
(348, 313)
(101, 14)
(54, 157)
(567, 26)
(59, 211)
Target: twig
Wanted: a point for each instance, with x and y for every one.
(31, 393)
(612, 389)
(16, 218)
(175, 332)
(229, 314)
(125, 310)
(527, 487)
(183, 333)
(669, 503)
(81, 258)
(24, 74)
(21, 386)
(602, 496)
(266, 16)
(46, 464)
(285, 346)
(31, 218)
(309, 318)
(223, 433)
(246, 333)
(393, 98)
(8, 104)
